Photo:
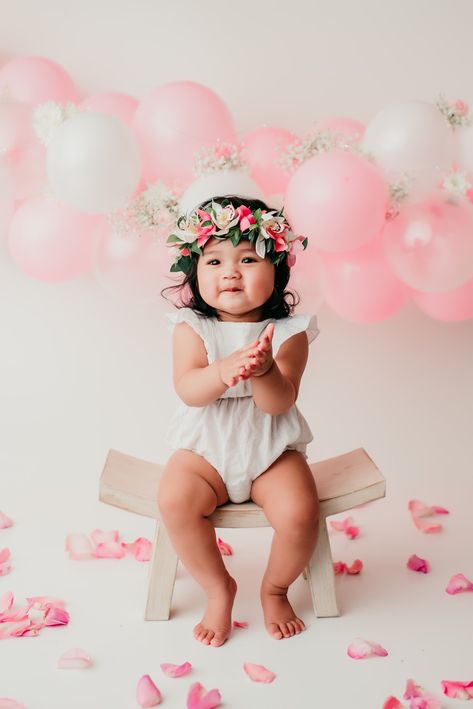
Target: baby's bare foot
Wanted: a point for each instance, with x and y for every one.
(216, 624)
(279, 617)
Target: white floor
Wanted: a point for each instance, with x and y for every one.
(426, 632)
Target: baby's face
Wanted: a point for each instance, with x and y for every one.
(234, 279)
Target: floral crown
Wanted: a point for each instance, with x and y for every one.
(268, 230)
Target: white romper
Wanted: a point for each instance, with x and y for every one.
(238, 439)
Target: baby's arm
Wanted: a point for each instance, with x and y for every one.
(197, 382)
(276, 390)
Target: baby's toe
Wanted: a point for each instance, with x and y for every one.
(275, 631)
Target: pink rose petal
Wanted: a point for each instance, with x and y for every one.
(56, 616)
(74, 659)
(359, 649)
(147, 694)
(109, 550)
(415, 563)
(5, 568)
(79, 546)
(393, 703)
(4, 555)
(240, 624)
(45, 602)
(340, 525)
(339, 567)
(420, 511)
(459, 584)
(225, 549)
(356, 567)
(426, 700)
(412, 690)
(198, 699)
(6, 602)
(171, 670)
(258, 673)
(141, 549)
(5, 521)
(6, 703)
(347, 526)
(28, 628)
(457, 690)
(100, 537)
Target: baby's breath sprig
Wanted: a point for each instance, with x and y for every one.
(48, 116)
(456, 112)
(398, 192)
(457, 184)
(296, 153)
(156, 208)
(222, 156)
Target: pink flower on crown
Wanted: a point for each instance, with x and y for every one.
(185, 252)
(295, 247)
(272, 226)
(246, 217)
(204, 218)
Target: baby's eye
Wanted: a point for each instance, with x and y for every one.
(215, 260)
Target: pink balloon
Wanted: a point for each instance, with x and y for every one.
(337, 199)
(453, 306)
(429, 244)
(114, 104)
(360, 286)
(15, 126)
(133, 266)
(28, 171)
(35, 80)
(305, 279)
(346, 126)
(264, 148)
(175, 121)
(51, 242)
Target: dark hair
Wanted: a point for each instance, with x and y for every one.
(277, 305)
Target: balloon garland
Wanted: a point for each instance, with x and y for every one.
(95, 184)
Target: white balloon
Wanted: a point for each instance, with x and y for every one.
(93, 162)
(413, 138)
(219, 184)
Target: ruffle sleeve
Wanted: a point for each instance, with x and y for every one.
(285, 328)
(197, 323)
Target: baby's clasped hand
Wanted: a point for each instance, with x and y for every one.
(233, 367)
(261, 358)
(254, 359)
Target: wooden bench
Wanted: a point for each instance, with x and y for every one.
(343, 482)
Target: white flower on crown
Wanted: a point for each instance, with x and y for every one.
(225, 218)
(188, 228)
(272, 227)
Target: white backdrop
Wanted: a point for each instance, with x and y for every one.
(81, 372)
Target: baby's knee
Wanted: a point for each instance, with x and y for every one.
(183, 497)
(299, 517)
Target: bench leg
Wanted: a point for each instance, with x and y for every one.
(162, 575)
(321, 577)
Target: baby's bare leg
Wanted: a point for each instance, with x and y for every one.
(287, 493)
(189, 491)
